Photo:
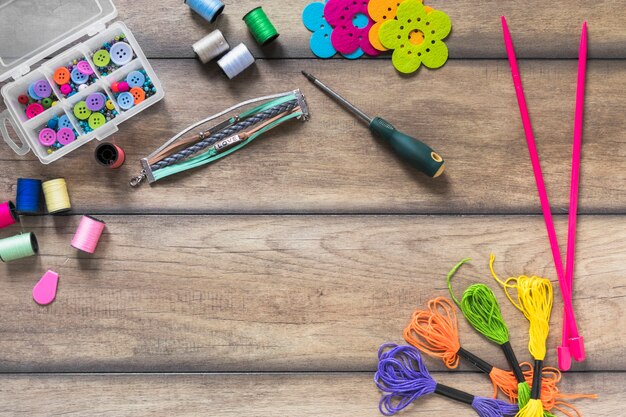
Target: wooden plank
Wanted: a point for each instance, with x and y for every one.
(467, 111)
(551, 30)
(332, 395)
(284, 293)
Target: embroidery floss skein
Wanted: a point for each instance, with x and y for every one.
(260, 26)
(434, 331)
(28, 198)
(57, 198)
(8, 214)
(18, 247)
(208, 9)
(88, 234)
(403, 375)
(211, 46)
(236, 61)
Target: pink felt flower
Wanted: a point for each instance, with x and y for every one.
(351, 24)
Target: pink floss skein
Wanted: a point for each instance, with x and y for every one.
(88, 234)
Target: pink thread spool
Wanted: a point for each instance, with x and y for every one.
(88, 234)
(8, 214)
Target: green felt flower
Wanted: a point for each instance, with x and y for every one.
(416, 37)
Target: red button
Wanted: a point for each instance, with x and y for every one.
(22, 99)
(115, 87)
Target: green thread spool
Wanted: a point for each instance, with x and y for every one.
(18, 247)
(260, 26)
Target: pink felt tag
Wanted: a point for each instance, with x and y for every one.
(45, 290)
(351, 24)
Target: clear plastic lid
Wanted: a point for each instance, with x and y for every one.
(31, 30)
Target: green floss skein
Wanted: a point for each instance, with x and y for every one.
(18, 247)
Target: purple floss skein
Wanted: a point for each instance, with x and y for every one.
(404, 382)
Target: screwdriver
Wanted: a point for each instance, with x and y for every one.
(415, 152)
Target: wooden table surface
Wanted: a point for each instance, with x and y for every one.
(264, 284)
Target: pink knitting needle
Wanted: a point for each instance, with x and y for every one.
(541, 188)
(574, 342)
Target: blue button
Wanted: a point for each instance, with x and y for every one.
(64, 121)
(125, 101)
(78, 77)
(135, 79)
(31, 92)
(121, 53)
(53, 123)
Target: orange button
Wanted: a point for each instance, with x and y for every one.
(138, 95)
(62, 76)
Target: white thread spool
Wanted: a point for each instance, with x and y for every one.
(236, 61)
(210, 46)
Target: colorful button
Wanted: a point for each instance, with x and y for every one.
(32, 93)
(125, 101)
(101, 58)
(123, 86)
(53, 123)
(110, 105)
(33, 110)
(47, 136)
(65, 136)
(78, 77)
(81, 111)
(138, 95)
(84, 67)
(121, 53)
(66, 89)
(135, 79)
(64, 121)
(42, 88)
(46, 102)
(61, 76)
(22, 99)
(95, 101)
(96, 120)
(114, 87)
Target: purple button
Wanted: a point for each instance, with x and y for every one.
(65, 136)
(42, 88)
(95, 101)
(84, 67)
(47, 136)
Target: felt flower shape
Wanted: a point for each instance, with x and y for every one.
(320, 42)
(416, 37)
(351, 25)
(380, 11)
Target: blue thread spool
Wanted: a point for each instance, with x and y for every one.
(208, 9)
(28, 198)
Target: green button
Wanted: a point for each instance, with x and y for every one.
(46, 102)
(96, 120)
(101, 58)
(81, 111)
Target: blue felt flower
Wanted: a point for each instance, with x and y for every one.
(320, 43)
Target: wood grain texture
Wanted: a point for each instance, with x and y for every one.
(331, 164)
(284, 293)
(540, 29)
(258, 395)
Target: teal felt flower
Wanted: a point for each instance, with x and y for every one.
(416, 37)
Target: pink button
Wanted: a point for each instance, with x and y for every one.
(66, 89)
(47, 136)
(123, 87)
(34, 109)
(84, 67)
(65, 136)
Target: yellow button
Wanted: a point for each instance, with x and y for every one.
(110, 105)
(96, 120)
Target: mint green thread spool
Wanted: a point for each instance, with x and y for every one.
(260, 26)
(18, 247)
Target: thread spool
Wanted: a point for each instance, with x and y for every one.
(208, 9)
(211, 46)
(8, 214)
(88, 234)
(56, 195)
(260, 26)
(236, 61)
(110, 155)
(18, 247)
(28, 198)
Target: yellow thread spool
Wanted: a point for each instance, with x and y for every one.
(57, 197)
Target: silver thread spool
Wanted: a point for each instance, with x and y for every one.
(236, 61)
(211, 46)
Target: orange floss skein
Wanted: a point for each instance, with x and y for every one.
(435, 332)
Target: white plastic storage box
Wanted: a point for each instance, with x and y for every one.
(32, 30)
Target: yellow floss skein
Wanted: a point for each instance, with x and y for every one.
(57, 197)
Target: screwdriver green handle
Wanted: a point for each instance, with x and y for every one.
(418, 154)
